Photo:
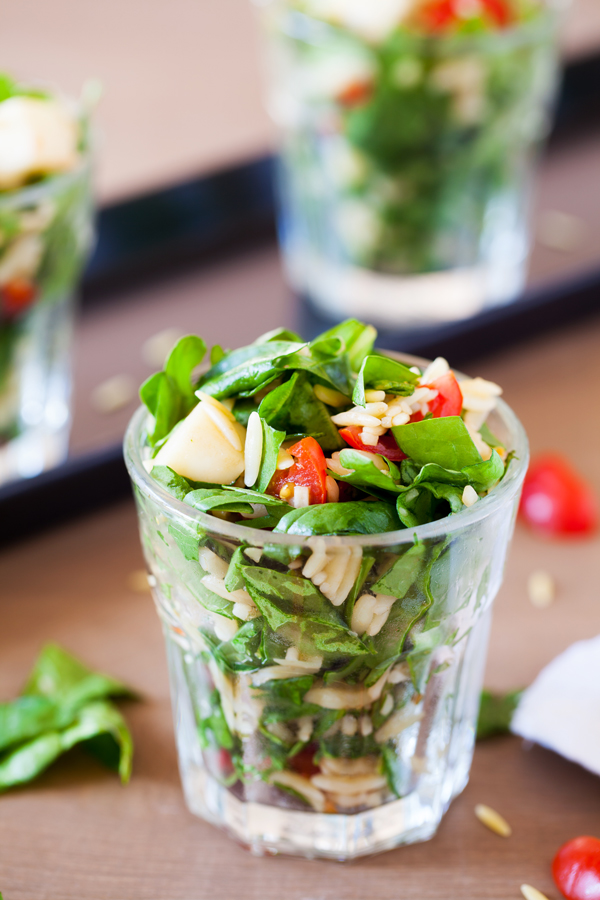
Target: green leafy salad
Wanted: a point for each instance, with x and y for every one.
(44, 229)
(312, 660)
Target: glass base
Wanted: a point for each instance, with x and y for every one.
(268, 830)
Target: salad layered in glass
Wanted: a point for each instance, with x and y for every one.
(325, 529)
(408, 134)
(45, 233)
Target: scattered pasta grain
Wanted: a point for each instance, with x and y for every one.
(531, 893)
(493, 820)
(137, 581)
(541, 589)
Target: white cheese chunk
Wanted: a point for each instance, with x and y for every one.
(199, 450)
(36, 137)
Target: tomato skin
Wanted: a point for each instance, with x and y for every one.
(556, 500)
(385, 446)
(16, 296)
(309, 470)
(357, 93)
(302, 762)
(449, 400)
(442, 15)
(576, 869)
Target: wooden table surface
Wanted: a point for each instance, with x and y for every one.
(76, 833)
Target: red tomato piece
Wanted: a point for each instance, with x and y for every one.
(309, 470)
(442, 15)
(556, 500)
(355, 94)
(17, 296)
(576, 869)
(385, 446)
(449, 400)
(225, 764)
(302, 762)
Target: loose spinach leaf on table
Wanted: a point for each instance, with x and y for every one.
(496, 712)
(383, 374)
(64, 703)
(354, 517)
(444, 441)
(169, 395)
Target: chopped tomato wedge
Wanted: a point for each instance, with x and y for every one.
(556, 500)
(309, 470)
(17, 296)
(449, 400)
(355, 94)
(385, 446)
(302, 762)
(576, 869)
(442, 15)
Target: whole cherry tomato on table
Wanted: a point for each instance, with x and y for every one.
(309, 470)
(556, 500)
(576, 869)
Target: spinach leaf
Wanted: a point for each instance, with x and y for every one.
(358, 340)
(279, 334)
(490, 438)
(485, 475)
(59, 675)
(175, 484)
(242, 409)
(216, 354)
(241, 652)
(366, 476)
(443, 441)
(236, 500)
(285, 699)
(381, 373)
(234, 579)
(243, 372)
(354, 517)
(212, 728)
(433, 472)
(496, 712)
(293, 406)
(94, 719)
(397, 773)
(366, 565)
(169, 395)
(402, 574)
(272, 441)
(187, 539)
(288, 600)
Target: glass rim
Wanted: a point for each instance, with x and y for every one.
(502, 494)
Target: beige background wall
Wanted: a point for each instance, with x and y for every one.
(181, 77)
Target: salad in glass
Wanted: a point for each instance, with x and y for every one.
(409, 129)
(325, 528)
(45, 233)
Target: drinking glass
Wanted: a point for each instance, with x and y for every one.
(290, 738)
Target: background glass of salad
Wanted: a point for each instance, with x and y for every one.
(45, 235)
(306, 727)
(408, 138)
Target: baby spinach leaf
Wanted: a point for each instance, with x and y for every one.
(415, 506)
(496, 712)
(272, 441)
(366, 565)
(175, 484)
(242, 409)
(444, 441)
(485, 475)
(209, 499)
(234, 579)
(397, 773)
(241, 652)
(403, 572)
(243, 372)
(213, 729)
(358, 340)
(97, 718)
(59, 675)
(216, 354)
(448, 492)
(368, 477)
(169, 395)
(433, 472)
(187, 539)
(27, 717)
(285, 699)
(354, 517)
(383, 373)
(279, 334)
(293, 406)
(490, 438)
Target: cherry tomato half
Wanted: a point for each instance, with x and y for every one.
(556, 500)
(442, 15)
(302, 762)
(385, 446)
(355, 94)
(309, 470)
(449, 400)
(576, 869)
(16, 296)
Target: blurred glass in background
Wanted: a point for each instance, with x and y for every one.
(45, 235)
(408, 137)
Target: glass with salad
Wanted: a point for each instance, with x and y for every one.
(45, 234)
(325, 528)
(409, 130)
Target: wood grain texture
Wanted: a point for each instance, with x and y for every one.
(77, 834)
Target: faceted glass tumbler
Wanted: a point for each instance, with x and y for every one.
(290, 737)
(406, 162)
(47, 233)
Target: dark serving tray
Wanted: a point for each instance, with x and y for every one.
(220, 214)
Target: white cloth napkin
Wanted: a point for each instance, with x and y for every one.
(561, 709)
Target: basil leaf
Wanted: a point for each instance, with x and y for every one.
(354, 517)
(272, 441)
(444, 441)
(169, 395)
(377, 371)
(496, 712)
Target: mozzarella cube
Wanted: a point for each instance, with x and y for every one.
(199, 450)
